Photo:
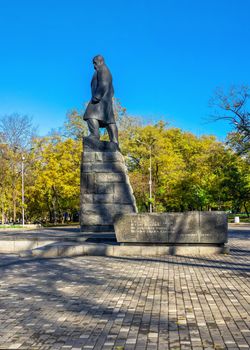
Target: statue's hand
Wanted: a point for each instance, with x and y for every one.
(95, 100)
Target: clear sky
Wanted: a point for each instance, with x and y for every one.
(166, 56)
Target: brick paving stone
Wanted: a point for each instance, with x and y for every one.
(99, 303)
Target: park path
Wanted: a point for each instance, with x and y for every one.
(128, 303)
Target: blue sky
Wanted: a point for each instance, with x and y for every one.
(166, 57)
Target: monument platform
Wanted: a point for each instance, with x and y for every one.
(69, 241)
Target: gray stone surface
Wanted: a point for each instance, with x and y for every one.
(69, 249)
(105, 188)
(190, 227)
(183, 227)
(18, 240)
(104, 167)
(110, 178)
(213, 225)
(94, 145)
(69, 241)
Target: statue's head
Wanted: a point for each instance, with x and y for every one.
(98, 61)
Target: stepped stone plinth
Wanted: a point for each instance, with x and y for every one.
(105, 188)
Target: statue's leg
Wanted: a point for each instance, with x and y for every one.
(93, 125)
(113, 132)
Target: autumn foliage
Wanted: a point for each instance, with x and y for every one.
(188, 172)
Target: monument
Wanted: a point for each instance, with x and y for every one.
(107, 201)
(105, 186)
(110, 224)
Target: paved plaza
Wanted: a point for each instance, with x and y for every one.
(127, 303)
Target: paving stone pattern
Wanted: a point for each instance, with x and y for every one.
(127, 303)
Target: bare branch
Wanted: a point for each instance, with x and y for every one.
(17, 130)
(233, 107)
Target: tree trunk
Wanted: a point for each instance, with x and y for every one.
(14, 206)
(49, 208)
(3, 213)
(245, 207)
(54, 211)
(54, 204)
(50, 216)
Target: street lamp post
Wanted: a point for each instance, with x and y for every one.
(150, 173)
(150, 179)
(22, 173)
(4, 144)
(23, 159)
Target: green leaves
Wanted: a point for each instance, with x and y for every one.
(55, 178)
(189, 173)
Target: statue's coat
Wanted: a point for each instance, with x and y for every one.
(101, 106)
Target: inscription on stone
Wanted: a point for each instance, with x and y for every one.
(145, 228)
(190, 227)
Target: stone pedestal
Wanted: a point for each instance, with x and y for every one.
(195, 227)
(105, 188)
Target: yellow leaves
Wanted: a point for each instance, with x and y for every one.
(187, 170)
(56, 173)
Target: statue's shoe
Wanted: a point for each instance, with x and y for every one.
(92, 137)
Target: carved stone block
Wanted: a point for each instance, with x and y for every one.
(101, 188)
(172, 228)
(105, 187)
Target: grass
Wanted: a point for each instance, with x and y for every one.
(43, 225)
(47, 224)
(11, 226)
(243, 218)
(18, 226)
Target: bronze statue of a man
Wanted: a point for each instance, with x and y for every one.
(99, 112)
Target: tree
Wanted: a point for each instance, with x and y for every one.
(189, 172)
(54, 178)
(124, 121)
(5, 182)
(75, 127)
(16, 132)
(236, 184)
(233, 106)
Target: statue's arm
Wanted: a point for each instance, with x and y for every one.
(102, 86)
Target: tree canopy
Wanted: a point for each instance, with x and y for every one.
(234, 107)
(188, 172)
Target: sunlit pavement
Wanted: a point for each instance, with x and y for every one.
(128, 303)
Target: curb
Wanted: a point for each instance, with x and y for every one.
(64, 250)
